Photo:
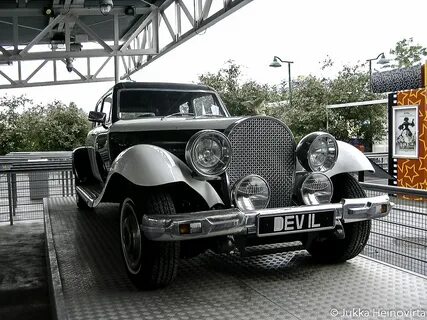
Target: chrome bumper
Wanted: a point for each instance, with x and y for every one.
(213, 223)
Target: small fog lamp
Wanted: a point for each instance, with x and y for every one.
(316, 189)
(251, 193)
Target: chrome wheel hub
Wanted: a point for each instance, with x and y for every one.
(130, 234)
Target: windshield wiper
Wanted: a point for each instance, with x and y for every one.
(210, 115)
(178, 114)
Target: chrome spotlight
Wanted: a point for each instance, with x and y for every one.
(105, 6)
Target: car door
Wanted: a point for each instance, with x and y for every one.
(101, 132)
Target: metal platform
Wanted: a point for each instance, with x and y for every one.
(88, 280)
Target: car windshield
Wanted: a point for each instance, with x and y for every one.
(143, 103)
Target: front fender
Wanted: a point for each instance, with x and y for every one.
(350, 159)
(148, 166)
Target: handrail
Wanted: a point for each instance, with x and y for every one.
(393, 189)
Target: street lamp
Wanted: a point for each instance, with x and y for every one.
(276, 64)
(382, 60)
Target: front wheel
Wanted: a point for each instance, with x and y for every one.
(331, 249)
(149, 264)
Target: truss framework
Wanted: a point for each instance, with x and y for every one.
(131, 52)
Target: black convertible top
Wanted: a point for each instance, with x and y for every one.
(161, 85)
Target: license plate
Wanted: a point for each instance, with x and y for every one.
(294, 223)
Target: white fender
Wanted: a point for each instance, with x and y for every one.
(350, 159)
(147, 165)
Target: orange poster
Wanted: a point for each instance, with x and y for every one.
(412, 173)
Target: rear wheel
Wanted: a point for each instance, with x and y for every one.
(149, 264)
(331, 249)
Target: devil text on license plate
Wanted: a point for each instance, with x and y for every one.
(294, 223)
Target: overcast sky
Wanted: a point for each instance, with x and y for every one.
(304, 31)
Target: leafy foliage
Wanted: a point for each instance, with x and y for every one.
(407, 53)
(51, 127)
(310, 96)
(247, 98)
(364, 122)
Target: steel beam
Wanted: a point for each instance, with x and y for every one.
(88, 11)
(42, 34)
(90, 53)
(5, 52)
(229, 8)
(54, 83)
(140, 44)
(91, 33)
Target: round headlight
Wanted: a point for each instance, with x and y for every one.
(251, 193)
(316, 189)
(208, 153)
(318, 151)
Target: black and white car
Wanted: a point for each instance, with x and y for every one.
(189, 177)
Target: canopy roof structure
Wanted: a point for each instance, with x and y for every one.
(39, 36)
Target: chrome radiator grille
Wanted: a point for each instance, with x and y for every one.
(266, 147)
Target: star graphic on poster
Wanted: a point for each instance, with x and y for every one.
(423, 185)
(411, 173)
(413, 93)
(414, 102)
(423, 136)
(423, 163)
(402, 166)
(422, 114)
(401, 97)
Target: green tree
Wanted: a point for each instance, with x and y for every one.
(62, 127)
(311, 95)
(240, 97)
(52, 127)
(408, 54)
(308, 111)
(11, 132)
(365, 122)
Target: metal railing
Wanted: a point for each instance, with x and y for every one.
(400, 238)
(24, 184)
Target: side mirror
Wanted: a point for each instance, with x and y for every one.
(97, 117)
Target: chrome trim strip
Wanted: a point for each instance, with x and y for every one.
(85, 196)
(233, 221)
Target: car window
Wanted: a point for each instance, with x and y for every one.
(133, 104)
(205, 105)
(106, 107)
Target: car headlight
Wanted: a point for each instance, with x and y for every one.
(208, 153)
(251, 193)
(317, 151)
(316, 189)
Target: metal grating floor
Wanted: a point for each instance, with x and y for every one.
(275, 286)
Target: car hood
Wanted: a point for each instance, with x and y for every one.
(172, 123)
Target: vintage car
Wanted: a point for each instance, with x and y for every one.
(189, 177)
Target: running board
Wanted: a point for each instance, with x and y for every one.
(89, 193)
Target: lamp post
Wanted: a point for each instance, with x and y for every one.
(276, 64)
(382, 60)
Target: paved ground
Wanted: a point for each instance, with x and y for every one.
(23, 276)
(217, 287)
